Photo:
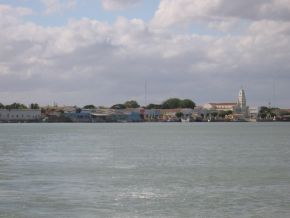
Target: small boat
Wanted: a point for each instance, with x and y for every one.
(185, 120)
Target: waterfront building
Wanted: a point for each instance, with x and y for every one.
(134, 116)
(56, 114)
(220, 106)
(116, 115)
(103, 116)
(152, 114)
(187, 112)
(169, 114)
(166, 114)
(284, 114)
(82, 116)
(20, 115)
(253, 113)
(199, 113)
(242, 107)
(238, 107)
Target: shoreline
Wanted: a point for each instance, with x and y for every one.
(260, 121)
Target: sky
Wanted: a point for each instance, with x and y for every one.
(79, 52)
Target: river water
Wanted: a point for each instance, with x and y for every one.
(145, 170)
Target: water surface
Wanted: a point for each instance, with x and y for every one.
(145, 170)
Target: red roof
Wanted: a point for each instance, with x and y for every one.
(230, 104)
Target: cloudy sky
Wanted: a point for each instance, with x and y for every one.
(78, 52)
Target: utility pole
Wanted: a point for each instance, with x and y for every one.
(145, 92)
(274, 94)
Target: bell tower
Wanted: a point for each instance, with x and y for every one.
(242, 103)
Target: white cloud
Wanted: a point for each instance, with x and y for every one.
(172, 12)
(88, 61)
(58, 6)
(14, 11)
(112, 5)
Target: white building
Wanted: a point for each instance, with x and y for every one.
(253, 112)
(242, 107)
(220, 106)
(20, 115)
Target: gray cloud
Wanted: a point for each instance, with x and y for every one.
(88, 61)
(113, 5)
(225, 11)
(58, 6)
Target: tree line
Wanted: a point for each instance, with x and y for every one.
(19, 106)
(170, 103)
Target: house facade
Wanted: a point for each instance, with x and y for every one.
(220, 106)
(239, 108)
(20, 115)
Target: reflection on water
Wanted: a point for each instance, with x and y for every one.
(145, 170)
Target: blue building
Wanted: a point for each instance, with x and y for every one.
(152, 114)
(82, 116)
(134, 116)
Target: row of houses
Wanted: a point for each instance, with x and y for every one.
(20, 115)
(208, 112)
(225, 111)
(72, 114)
(115, 115)
(236, 111)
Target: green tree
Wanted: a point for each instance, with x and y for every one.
(187, 103)
(153, 106)
(179, 115)
(266, 112)
(131, 104)
(263, 115)
(214, 114)
(16, 106)
(118, 106)
(229, 112)
(90, 106)
(2, 106)
(222, 114)
(34, 106)
(171, 103)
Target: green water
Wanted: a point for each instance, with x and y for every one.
(145, 170)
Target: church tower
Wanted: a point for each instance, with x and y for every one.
(242, 103)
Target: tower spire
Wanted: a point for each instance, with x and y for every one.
(242, 102)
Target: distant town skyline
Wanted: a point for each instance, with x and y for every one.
(75, 52)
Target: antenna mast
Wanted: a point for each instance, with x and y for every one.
(274, 94)
(145, 90)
